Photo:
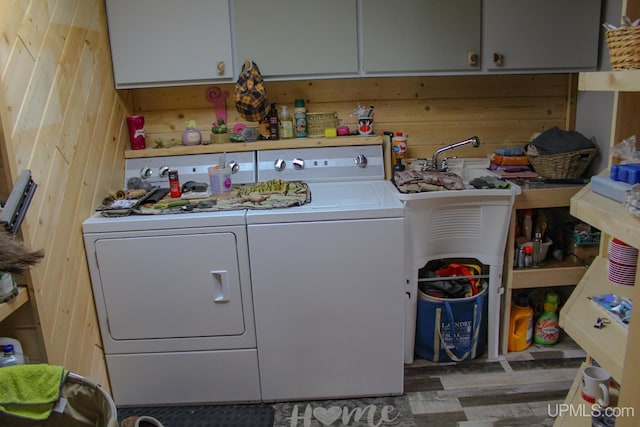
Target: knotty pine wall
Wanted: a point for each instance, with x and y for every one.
(62, 119)
(434, 111)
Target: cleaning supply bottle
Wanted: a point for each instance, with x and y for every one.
(547, 328)
(520, 324)
(300, 118)
(285, 123)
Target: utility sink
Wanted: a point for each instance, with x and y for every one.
(459, 224)
(468, 169)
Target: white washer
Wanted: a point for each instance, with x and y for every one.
(328, 278)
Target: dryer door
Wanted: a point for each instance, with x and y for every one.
(171, 286)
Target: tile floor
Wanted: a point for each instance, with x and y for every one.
(517, 389)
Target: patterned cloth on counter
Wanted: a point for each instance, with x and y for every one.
(270, 194)
(411, 181)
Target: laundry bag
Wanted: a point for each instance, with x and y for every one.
(451, 329)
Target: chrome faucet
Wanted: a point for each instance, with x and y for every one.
(434, 165)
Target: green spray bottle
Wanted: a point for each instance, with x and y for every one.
(547, 329)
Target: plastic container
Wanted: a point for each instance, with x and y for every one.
(300, 118)
(285, 124)
(547, 329)
(520, 324)
(8, 357)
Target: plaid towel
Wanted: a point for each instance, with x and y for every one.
(250, 94)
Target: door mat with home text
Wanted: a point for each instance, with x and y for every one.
(368, 412)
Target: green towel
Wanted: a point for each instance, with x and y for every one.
(30, 391)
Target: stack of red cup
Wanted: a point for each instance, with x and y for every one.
(623, 260)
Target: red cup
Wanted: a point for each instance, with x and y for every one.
(136, 132)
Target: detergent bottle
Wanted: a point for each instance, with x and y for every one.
(521, 324)
(547, 328)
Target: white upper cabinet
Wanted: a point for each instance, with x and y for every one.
(541, 34)
(168, 42)
(406, 36)
(295, 38)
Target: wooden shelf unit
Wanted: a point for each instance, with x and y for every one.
(615, 348)
(552, 272)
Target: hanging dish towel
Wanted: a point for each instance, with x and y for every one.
(250, 94)
(30, 391)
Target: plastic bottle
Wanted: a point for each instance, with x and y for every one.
(520, 258)
(300, 118)
(537, 249)
(285, 123)
(9, 356)
(527, 225)
(520, 324)
(273, 122)
(528, 256)
(547, 328)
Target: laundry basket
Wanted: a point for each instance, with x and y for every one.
(85, 404)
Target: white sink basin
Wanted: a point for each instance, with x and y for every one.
(468, 169)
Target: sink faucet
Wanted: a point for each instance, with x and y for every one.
(436, 166)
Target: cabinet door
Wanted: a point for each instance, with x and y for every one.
(420, 35)
(290, 37)
(162, 42)
(541, 34)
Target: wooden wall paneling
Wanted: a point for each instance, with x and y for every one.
(63, 119)
(11, 14)
(433, 111)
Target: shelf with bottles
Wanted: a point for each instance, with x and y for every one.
(563, 257)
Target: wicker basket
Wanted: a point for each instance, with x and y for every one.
(567, 165)
(624, 48)
(318, 122)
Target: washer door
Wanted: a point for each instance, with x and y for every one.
(171, 286)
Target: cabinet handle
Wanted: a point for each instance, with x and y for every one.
(472, 59)
(220, 67)
(498, 59)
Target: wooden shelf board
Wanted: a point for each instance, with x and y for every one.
(534, 198)
(7, 308)
(607, 345)
(251, 146)
(610, 81)
(553, 273)
(607, 215)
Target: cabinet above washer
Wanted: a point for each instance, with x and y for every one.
(295, 38)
